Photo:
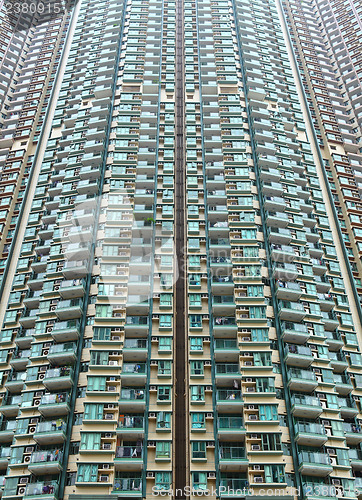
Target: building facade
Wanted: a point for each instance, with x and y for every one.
(181, 235)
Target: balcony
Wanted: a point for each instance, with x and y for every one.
(297, 355)
(58, 378)
(46, 490)
(355, 456)
(282, 253)
(231, 487)
(50, 432)
(230, 427)
(232, 458)
(330, 320)
(133, 373)
(70, 289)
(132, 399)
(294, 332)
(7, 430)
(138, 304)
(15, 381)
(69, 309)
(222, 284)
(338, 361)
(302, 380)
(223, 304)
(288, 290)
(10, 406)
(137, 324)
(131, 426)
(53, 405)
(310, 434)
(5, 452)
(348, 407)
(46, 462)
(306, 406)
(226, 350)
(65, 331)
(224, 324)
(352, 432)
(280, 235)
(314, 464)
(129, 457)
(128, 487)
(291, 311)
(226, 373)
(62, 354)
(135, 349)
(285, 271)
(229, 400)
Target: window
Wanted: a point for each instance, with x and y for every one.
(165, 344)
(96, 384)
(164, 368)
(198, 420)
(165, 299)
(195, 300)
(199, 481)
(196, 344)
(198, 449)
(93, 411)
(87, 473)
(90, 441)
(198, 393)
(197, 368)
(163, 393)
(162, 480)
(163, 420)
(163, 449)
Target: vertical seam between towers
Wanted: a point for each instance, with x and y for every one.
(274, 301)
(180, 455)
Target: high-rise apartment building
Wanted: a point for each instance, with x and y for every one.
(181, 240)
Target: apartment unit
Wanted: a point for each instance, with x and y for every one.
(180, 255)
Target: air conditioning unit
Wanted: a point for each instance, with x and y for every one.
(111, 388)
(248, 363)
(208, 388)
(209, 415)
(211, 475)
(21, 490)
(116, 338)
(251, 407)
(106, 466)
(108, 435)
(27, 459)
(34, 420)
(109, 406)
(207, 363)
(32, 429)
(255, 447)
(248, 379)
(151, 444)
(52, 308)
(336, 482)
(108, 416)
(153, 388)
(45, 352)
(154, 362)
(256, 467)
(210, 444)
(331, 451)
(258, 479)
(253, 436)
(104, 479)
(56, 288)
(41, 376)
(246, 339)
(106, 446)
(253, 417)
(49, 329)
(150, 474)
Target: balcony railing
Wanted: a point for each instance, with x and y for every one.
(127, 484)
(129, 452)
(46, 456)
(314, 458)
(131, 422)
(41, 488)
(228, 395)
(232, 453)
(230, 423)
